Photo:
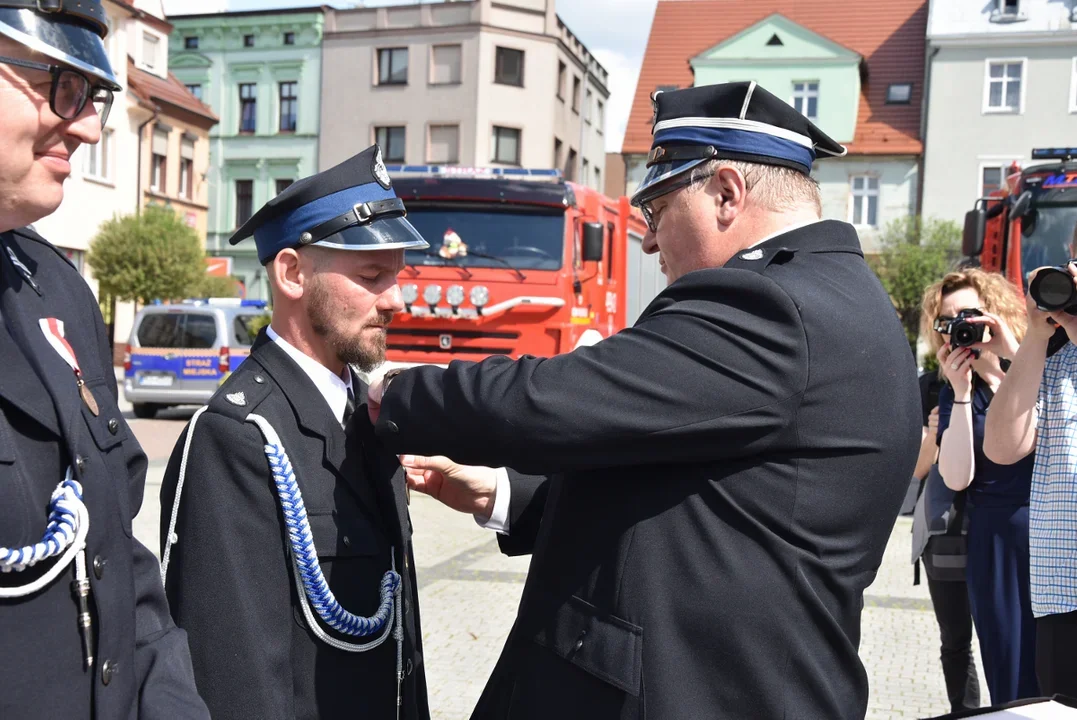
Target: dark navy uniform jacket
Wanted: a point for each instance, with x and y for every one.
(726, 476)
(142, 667)
(230, 582)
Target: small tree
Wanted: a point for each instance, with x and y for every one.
(915, 253)
(146, 257)
(216, 286)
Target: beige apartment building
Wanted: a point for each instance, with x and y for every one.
(464, 82)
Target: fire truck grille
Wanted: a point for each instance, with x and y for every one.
(462, 342)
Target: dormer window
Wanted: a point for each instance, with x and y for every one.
(899, 94)
(1007, 11)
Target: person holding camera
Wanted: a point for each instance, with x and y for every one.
(1036, 409)
(945, 582)
(963, 305)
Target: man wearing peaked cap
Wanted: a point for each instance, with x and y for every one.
(712, 489)
(285, 538)
(84, 626)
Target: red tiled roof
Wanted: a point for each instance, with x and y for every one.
(170, 91)
(890, 36)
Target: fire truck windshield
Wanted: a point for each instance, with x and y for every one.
(1047, 232)
(523, 238)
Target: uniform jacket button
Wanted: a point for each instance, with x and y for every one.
(347, 541)
(98, 566)
(107, 669)
(409, 667)
(113, 426)
(259, 379)
(80, 463)
(391, 426)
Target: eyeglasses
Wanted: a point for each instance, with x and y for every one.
(647, 208)
(70, 91)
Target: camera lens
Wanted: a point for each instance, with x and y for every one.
(1052, 289)
(964, 336)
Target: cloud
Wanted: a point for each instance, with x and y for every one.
(624, 72)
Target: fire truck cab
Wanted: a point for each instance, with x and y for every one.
(520, 262)
(1028, 223)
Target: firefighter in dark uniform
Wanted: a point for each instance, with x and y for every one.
(725, 473)
(286, 541)
(84, 626)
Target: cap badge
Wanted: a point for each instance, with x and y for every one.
(752, 255)
(380, 173)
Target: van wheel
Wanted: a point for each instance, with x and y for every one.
(145, 411)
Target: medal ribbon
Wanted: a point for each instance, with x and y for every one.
(54, 333)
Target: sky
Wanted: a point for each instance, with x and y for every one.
(615, 31)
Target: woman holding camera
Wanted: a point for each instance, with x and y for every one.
(959, 309)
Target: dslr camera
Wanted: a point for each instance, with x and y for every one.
(1053, 290)
(962, 332)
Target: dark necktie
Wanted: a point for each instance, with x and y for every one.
(349, 408)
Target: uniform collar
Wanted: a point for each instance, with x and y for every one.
(329, 384)
(788, 228)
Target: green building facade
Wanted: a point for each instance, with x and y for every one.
(261, 73)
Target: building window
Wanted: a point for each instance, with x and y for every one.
(158, 172)
(600, 121)
(509, 67)
(557, 153)
(195, 89)
(445, 64)
(392, 141)
(444, 144)
(1073, 87)
(992, 178)
(899, 94)
(585, 171)
(506, 145)
(562, 71)
(393, 66)
(186, 179)
(1006, 11)
(289, 38)
(248, 107)
(570, 165)
(159, 161)
(186, 183)
(598, 179)
(97, 164)
(576, 93)
(190, 43)
(865, 193)
(588, 99)
(248, 41)
(806, 99)
(149, 50)
(289, 108)
(283, 184)
(244, 201)
(1004, 86)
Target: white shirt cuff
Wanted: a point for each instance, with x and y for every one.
(499, 517)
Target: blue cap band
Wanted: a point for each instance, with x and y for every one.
(741, 142)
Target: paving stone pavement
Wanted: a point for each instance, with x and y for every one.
(469, 593)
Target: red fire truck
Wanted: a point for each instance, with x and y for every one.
(520, 262)
(1029, 222)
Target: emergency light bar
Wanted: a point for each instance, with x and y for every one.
(456, 171)
(1054, 153)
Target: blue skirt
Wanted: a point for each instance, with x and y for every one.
(999, 599)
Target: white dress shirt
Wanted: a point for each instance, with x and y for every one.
(329, 384)
(499, 517)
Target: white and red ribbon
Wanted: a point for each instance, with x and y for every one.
(54, 333)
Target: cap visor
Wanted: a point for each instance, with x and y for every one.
(62, 39)
(658, 177)
(389, 234)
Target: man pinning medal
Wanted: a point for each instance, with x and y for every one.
(285, 535)
(723, 476)
(84, 627)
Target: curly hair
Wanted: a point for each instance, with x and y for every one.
(997, 294)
